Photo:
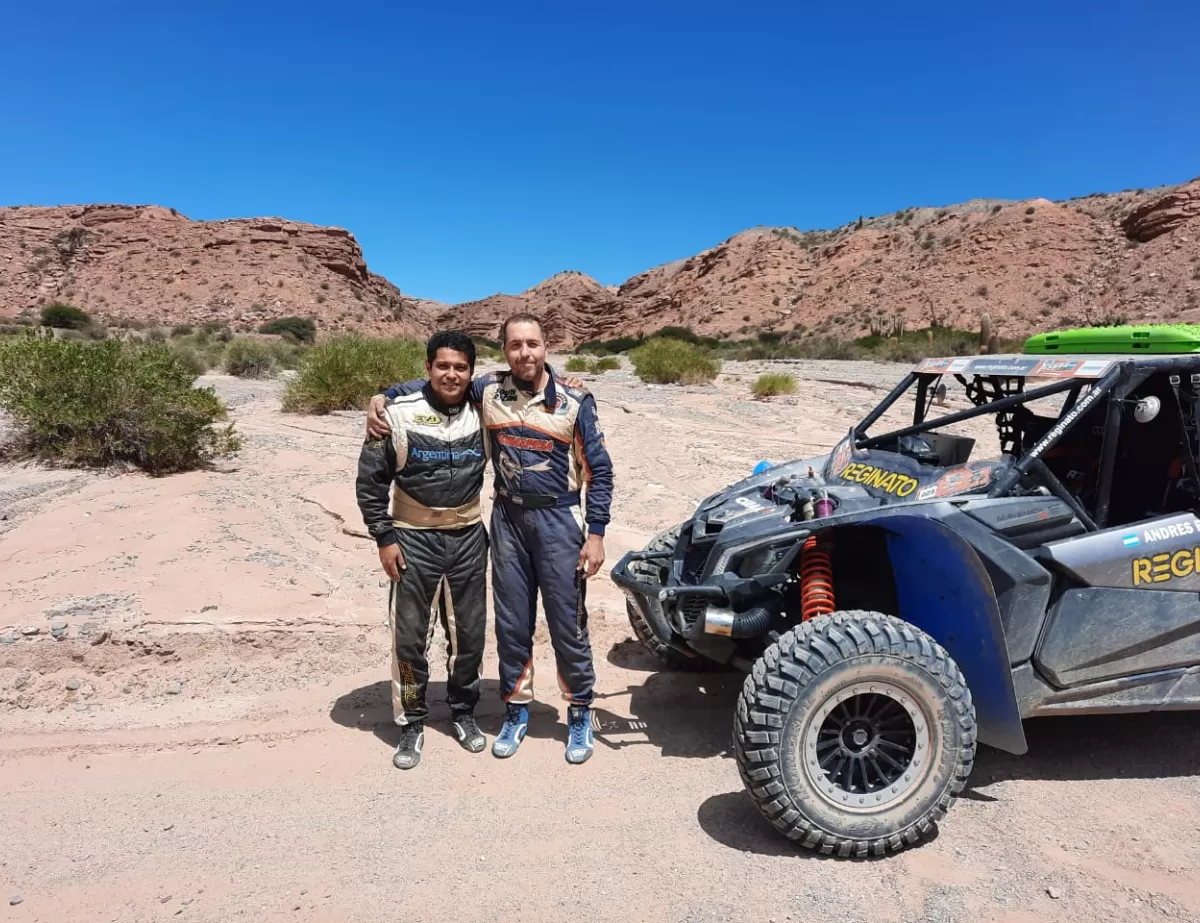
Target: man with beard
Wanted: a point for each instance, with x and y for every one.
(545, 443)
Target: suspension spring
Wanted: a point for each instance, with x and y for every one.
(816, 580)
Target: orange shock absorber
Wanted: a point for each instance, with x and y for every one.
(816, 580)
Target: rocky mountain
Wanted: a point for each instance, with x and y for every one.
(152, 265)
(1031, 265)
(573, 308)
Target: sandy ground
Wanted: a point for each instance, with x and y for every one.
(194, 720)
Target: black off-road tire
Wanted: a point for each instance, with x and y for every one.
(815, 676)
(667, 655)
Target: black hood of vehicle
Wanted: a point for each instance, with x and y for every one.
(859, 480)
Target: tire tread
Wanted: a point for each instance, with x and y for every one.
(795, 660)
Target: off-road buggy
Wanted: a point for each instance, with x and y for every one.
(895, 601)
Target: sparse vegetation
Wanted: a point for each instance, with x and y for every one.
(666, 360)
(249, 359)
(65, 317)
(595, 366)
(608, 347)
(1030, 210)
(772, 384)
(99, 404)
(300, 329)
(344, 372)
(190, 357)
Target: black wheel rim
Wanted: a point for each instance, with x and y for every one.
(867, 746)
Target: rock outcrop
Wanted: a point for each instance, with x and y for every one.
(1031, 265)
(152, 265)
(1163, 215)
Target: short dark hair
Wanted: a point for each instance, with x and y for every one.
(520, 318)
(451, 339)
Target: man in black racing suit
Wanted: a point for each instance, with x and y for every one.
(432, 541)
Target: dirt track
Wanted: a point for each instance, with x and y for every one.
(210, 739)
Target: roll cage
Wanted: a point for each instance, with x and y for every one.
(1099, 390)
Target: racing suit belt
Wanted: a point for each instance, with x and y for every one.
(407, 513)
(539, 501)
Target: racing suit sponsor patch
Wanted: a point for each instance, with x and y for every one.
(526, 443)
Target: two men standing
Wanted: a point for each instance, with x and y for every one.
(544, 441)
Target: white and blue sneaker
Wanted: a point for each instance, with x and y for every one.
(513, 732)
(580, 742)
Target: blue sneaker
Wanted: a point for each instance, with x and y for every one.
(513, 732)
(580, 742)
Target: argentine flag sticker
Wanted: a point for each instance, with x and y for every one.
(1131, 540)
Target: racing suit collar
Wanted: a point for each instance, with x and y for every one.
(549, 393)
(438, 404)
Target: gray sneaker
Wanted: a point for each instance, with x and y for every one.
(467, 732)
(408, 753)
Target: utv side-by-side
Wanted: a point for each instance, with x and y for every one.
(894, 601)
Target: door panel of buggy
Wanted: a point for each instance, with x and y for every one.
(1129, 599)
(1128, 603)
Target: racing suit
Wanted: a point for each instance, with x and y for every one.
(544, 447)
(435, 458)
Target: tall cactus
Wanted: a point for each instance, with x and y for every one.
(985, 333)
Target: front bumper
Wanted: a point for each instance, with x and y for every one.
(645, 594)
(673, 611)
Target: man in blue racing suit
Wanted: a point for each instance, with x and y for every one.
(545, 444)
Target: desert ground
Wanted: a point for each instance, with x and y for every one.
(195, 723)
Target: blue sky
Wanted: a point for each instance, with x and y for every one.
(480, 147)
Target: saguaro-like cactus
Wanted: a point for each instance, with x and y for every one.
(985, 333)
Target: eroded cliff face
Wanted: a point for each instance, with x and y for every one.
(150, 264)
(1032, 265)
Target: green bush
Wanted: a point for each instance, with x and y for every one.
(687, 335)
(190, 357)
(771, 384)
(65, 317)
(577, 364)
(300, 329)
(97, 404)
(249, 359)
(345, 372)
(671, 361)
(605, 364)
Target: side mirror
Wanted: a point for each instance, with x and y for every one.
(1147, 409)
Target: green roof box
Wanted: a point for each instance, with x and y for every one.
(1130, 340)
